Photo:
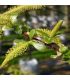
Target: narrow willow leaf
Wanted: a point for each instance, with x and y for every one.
(14, 52)
(56, 28)
(32, 33)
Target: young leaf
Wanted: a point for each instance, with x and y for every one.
(32, 33)
(39, 46)
(56, 28)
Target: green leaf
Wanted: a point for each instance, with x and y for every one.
(39, 46)
(32, 33)
(56, 28)
(66, 55)
(43, 55)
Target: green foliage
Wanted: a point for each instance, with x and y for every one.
(66, 56)
(23, 45)
(39, 46)
(32, 33)
(41, 40)
(48, 36)
(44, 54)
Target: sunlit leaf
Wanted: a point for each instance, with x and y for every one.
(32, 33)
(39, 46)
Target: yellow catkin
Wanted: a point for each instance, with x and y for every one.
(45, 31)
(14, 52)
(5, 17)
(19, 9)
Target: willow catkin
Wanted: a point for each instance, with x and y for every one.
(14, 52)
